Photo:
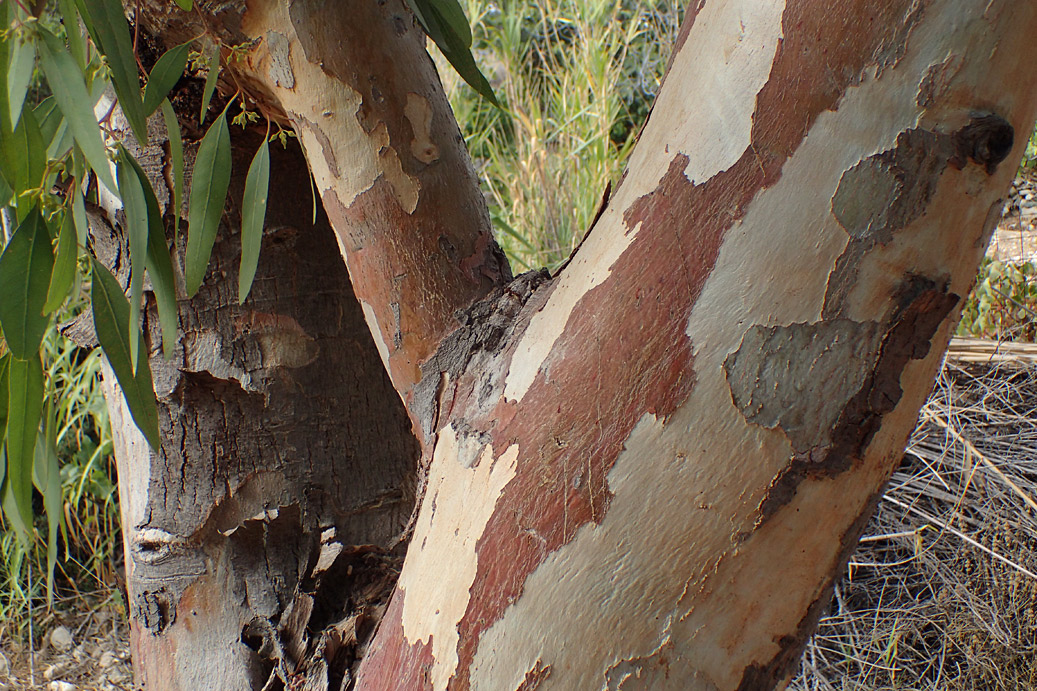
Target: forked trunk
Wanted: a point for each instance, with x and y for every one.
(644, 473)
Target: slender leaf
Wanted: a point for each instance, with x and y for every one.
(5, 192)
(135, 207)
(210, 81)
(109, 30)
(79, 213)
(20, 63)
(111, 322)
(23, 155)
(159, 264)
(176, 155)
(70, 92)
(48, 117)
(25, 401)
(70, 18)
(25, 269)
(446, 24)
(208, 193)
(185, 5)
(64, 272)
(47, 478)
(164, 76)
(5, 361)
(253, 213)
(12, 512)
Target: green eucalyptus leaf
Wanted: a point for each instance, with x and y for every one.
(79, 213)
(446, 24)
(47, 478)
(460, 56)
(135, 207)
(64, 273)
(176, 156)
(164, 76)
(25, 406)
(5, 361)
(48, 117)
(12, 512)
(110, 31)
(21, 61)
(70, 92)
(185, 5)
(253, 213)
(112, 324)
(5, 192)
(23, 155)
(210, 81)
(159, 264)
(25, 269)
(209, 185)
(70, 18)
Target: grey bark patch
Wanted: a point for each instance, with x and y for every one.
(922, 305)
(280, 69)
(880, 196)
(485, 328)
(799, 377)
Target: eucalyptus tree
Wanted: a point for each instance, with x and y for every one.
(410, 469)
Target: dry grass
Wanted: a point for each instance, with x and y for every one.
(942, 592)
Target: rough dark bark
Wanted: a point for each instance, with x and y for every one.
(286, 474)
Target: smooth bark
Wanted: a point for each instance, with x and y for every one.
(653, 480)
(648, 471)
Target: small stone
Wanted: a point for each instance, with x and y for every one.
(107, 660)
(61, 639)
(116, 677)
(53, 671)
(61, 686)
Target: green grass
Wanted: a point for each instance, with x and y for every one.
(90, 534)
(575, 79)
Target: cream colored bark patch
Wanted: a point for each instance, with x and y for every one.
(419, 114)
(725, 62)
(376, 333)
(458, 503)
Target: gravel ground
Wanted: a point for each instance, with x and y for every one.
(84, 649)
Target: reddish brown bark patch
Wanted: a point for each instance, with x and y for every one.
(823, 52)
(390, 663)
(535, 677)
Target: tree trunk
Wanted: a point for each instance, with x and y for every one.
(646, 472)
(286, 473)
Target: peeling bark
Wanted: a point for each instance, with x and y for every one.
(734, 357)
(644, 473)
(259, 539)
